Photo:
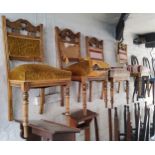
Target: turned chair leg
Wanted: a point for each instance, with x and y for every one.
(25, 113)
(79, 92)
(10, 104)
(84, 97)
(62, 96)
(90, 90)
(96, 129)
(153, 92)
(119, 86)
(42, 100)
(112, 93)
(139, 87)
(102, 91)
(150, 90)
(127, 91)
(104, 94)
(133, 96)
(67, 100)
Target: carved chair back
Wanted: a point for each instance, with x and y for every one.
(94, 48)
(122, 53)
(153, 65)
(22, 41)
(68, 46)
(134, 60)
(146, 64)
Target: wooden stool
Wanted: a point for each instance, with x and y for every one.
(44, 130)
(79, 120)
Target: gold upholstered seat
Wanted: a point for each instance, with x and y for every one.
(81, 68)
(89, 68)
(33, 72)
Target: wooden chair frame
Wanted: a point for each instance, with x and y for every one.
(96, 45)
(25, 86)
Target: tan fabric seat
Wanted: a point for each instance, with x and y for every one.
(82, 68)
(32, 72)
(85, 68)
(100, 64)
(119, 73)
(138, 69)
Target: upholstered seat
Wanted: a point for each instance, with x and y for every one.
(100, 65)
(119, 73)
(138, 69)
(86, 68)
(81, 68)
(32, 72)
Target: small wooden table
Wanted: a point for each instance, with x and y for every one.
(79, 120)
(43, 130)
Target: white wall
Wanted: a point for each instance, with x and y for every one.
(85, 24)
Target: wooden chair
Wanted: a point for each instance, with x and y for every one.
(24, 42)
(119, 74)
(150, 80)
(94, 48)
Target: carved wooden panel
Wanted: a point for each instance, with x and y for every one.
(122, 53)
(21, 24)
(94, 48)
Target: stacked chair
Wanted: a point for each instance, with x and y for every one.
(140, 74)
(150, 80)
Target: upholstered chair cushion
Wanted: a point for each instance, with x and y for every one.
(98, 73)
(119, 73)
(33, 72)
(138, 69)
(86, 68)
(82, 68)
(100, 65)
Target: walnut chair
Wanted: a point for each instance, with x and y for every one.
(24, 42)
(94, 48)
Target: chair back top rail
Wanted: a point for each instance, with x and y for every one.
(68, 45)
(94, 48)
